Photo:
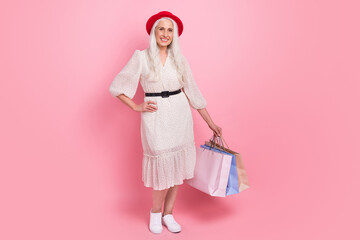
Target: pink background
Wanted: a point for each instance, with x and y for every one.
(280, 77)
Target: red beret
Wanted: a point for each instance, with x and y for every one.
(150, 22)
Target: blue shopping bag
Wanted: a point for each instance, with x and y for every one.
(233, 182)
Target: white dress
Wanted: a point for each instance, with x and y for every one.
(167, 136)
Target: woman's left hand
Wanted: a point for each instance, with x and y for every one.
(216, 129)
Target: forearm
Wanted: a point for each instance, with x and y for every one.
(205, 115)
(125, 99)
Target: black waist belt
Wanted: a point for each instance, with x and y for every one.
(163, 94)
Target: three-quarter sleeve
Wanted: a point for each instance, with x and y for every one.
(127, 80)
(196, 99)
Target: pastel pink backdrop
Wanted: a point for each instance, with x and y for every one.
(280, 77)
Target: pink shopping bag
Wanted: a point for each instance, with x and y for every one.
(242, 175)
(211, 172)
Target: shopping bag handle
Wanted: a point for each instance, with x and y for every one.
(215, 139)
(212, 141)
(218, 139)
(223, 139)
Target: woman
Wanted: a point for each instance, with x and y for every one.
(167, 136)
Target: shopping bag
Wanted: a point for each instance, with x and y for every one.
(211, 173)
(233, 181)
(242, 175)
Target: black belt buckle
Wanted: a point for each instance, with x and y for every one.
(165, 94)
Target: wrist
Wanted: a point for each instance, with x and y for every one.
(134, 107)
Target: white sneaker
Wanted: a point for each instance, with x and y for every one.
(171, 224)
(155, 225)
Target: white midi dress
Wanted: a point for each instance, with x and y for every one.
(167, 136)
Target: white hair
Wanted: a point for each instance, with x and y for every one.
(174, 54)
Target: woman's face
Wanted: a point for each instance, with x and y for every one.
(164, 33)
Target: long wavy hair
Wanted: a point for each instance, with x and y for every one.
(173, 50)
